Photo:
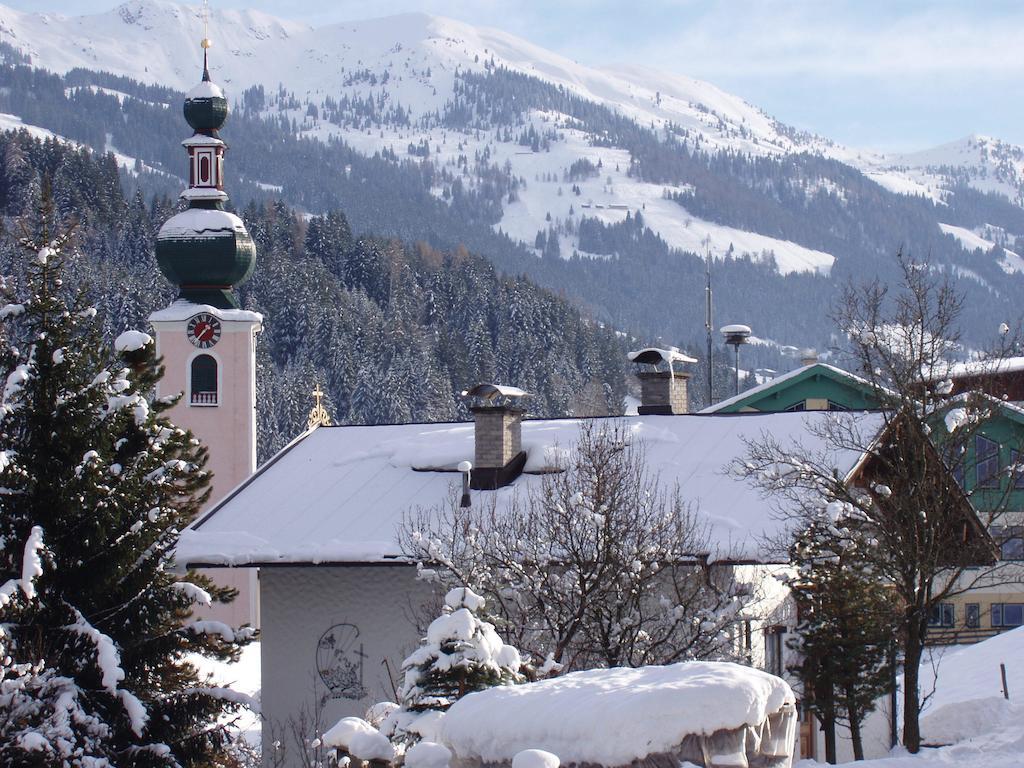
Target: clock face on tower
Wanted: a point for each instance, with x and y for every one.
(204, 330)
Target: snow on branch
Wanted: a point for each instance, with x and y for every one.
(31, 569)
(194, 593)
(109, 661)
(225, 694)
(226, 633)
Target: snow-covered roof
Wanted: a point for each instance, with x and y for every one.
(979, 368)
(200, 223)
(340, 494)
(492, 391)
(183, 309)
(202, 140)
(205, 90)
(771, 383)
(203, 193)
(655, 355)
(581, 717)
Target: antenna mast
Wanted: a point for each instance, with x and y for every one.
(707, 315)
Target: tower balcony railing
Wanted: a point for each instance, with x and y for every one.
(204, 398)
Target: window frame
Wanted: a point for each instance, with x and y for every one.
(1018, 481)
(193, 392)
(946, 616)
(972, 615)
(998, 615)
(990, 479)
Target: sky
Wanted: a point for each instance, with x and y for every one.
(893, 75)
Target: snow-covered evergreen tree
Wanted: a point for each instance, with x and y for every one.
(95, 669)
(460, 654)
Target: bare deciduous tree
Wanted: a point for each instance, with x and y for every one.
(928, 543)
(596, 565)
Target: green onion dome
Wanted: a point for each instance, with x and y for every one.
(206, 109)
(206, 251)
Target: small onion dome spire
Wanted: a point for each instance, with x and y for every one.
(205, 250)
(206, 109)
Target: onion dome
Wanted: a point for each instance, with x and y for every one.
(205, 250)
(206, 109)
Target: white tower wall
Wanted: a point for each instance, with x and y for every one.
(227, 428)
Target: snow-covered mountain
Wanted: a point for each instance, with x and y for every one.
(156, 41)
(408, 69)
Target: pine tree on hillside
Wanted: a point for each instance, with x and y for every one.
(90, 460)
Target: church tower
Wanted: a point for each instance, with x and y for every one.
(207, 342)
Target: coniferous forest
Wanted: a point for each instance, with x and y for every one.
(641, 284)
(392, 331)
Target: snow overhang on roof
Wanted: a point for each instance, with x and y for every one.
(205, 90)
(201, 223)
(494, 391)
(656, 355)
(340, 494)
(973, 368)
(202, 140)
(183, 309)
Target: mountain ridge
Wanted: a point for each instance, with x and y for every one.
(474, 136)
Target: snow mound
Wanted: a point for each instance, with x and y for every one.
(580, 716)
(464, 597)
(968, 699)
(371, 746)
(427, 754)
(535, 758)
(345, 731)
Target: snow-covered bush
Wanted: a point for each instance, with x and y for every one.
(461, 653)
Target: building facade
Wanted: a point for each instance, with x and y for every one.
(208, 344)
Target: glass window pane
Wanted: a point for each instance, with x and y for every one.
(972, 615)
(997, 614)
(1012, 546)
(1018, 474)
(986, 457)
(1013, 614)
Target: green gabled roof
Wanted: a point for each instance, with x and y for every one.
(817, 380)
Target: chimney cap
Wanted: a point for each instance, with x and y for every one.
(655, 355)
(491, 392)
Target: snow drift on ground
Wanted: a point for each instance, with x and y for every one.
(579, 717)
(968, 699)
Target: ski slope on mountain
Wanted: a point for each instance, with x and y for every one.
(412, 63)
(421, 52)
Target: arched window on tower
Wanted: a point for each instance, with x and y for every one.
(204, 380)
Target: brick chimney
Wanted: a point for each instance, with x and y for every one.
(498, 439)
(663, 390)
(808, 357)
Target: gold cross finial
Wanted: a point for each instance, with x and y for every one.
(318, 417)
(206, 25)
